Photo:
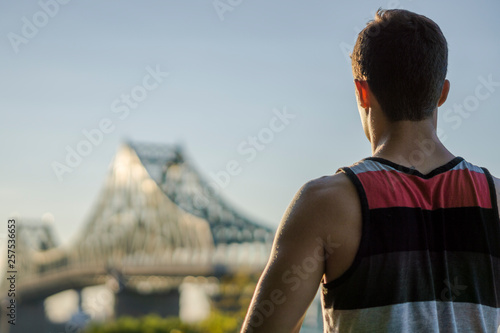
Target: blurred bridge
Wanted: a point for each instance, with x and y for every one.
(155, 216)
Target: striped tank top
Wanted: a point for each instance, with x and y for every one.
(429, 256)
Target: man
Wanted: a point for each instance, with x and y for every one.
(407, 240)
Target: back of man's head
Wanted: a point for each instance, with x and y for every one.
(404, 58)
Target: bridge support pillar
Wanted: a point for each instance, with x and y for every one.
(131, 303)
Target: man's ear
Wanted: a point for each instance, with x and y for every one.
(362, 91)
(444, 92)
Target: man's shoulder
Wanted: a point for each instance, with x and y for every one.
(336, 217)
(327, 186)
(333, 194)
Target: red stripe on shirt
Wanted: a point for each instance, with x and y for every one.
(456, 188)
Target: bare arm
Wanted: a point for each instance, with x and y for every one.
(297, 263)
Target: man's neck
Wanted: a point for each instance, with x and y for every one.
(411, 144)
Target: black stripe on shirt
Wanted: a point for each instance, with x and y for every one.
(471, 229)
(417, 276)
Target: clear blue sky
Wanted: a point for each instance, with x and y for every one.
(225, 79)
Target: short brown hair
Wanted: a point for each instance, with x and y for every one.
(404, 58)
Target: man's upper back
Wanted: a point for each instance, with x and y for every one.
(427, 250)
